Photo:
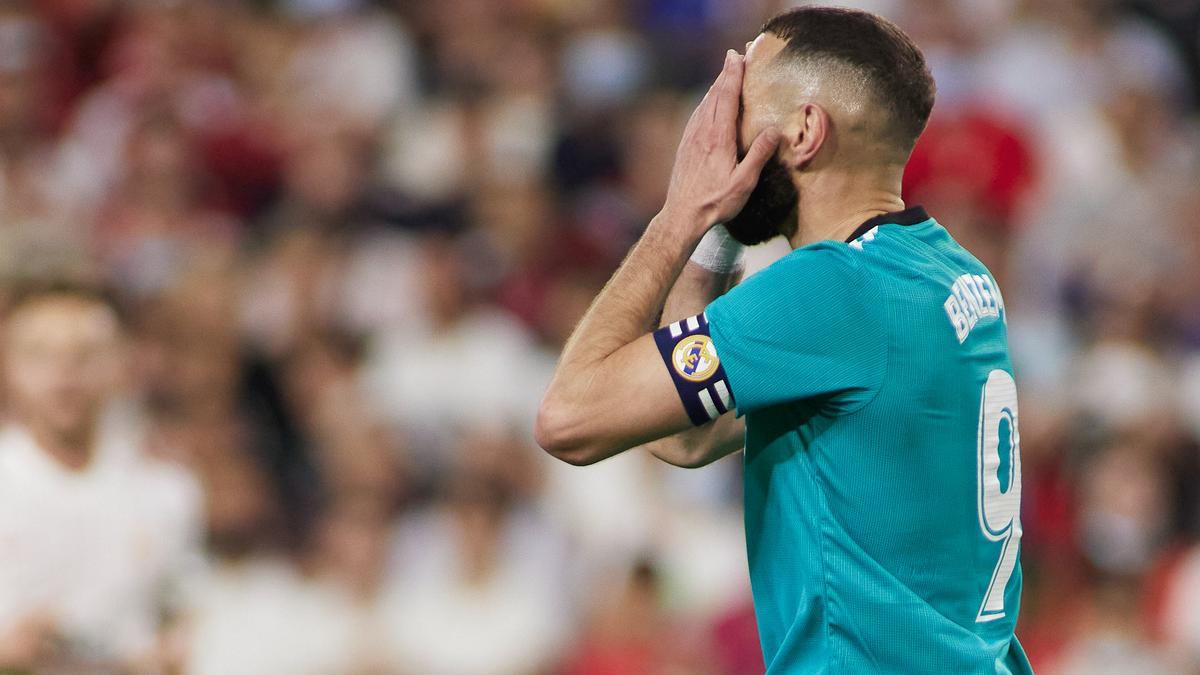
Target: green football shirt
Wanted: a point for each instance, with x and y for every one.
(882, 462)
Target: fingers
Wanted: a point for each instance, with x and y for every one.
(745, 174)
(720, 93)
(718, 85)
(703, 113)
(729, 90)
(732, 63)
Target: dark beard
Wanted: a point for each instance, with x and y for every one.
(771, 209)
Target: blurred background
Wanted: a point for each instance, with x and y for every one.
(350, 238)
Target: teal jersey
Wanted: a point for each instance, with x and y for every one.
(882, 463)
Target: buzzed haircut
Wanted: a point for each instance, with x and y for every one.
(872, 45)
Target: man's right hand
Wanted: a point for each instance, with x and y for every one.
(708, 184)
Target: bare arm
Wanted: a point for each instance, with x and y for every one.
(610, 391)
(698, 446)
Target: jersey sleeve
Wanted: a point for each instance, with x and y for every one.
(808, 327)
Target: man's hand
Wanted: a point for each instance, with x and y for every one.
(708, 184)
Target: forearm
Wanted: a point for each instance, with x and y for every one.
(703, 445)
(694, 289)
(714, 268)
(594, 378)
(625, 311)
(692, 448)
(628, 305)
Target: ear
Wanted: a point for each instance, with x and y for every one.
(805, 136)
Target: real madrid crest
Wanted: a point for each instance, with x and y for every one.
(695, 358)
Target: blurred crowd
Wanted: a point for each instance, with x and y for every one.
(346, 241)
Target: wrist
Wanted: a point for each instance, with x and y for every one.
(672, 237)
(718, 252)
(688, 225)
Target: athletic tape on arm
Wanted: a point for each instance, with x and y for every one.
(718, 252)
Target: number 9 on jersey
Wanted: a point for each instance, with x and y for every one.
(999, 474)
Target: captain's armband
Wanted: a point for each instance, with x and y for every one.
(692, 360)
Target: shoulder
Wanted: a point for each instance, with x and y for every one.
(168, 487)
(820, 290)
(20, 460)
(13, 442)
(822, 256)
(166, 474)
(808, 274)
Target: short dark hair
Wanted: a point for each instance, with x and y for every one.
(873, 45)
(29, 292)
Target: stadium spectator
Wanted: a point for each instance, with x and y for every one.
(477, 568)
(99, 532)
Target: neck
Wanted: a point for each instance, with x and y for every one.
(73, 450)
(835, 204)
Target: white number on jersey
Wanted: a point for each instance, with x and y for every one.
(999, 505)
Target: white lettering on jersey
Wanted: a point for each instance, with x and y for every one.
(866, 238)
(973, 297)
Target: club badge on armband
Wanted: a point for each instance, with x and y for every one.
(691, 358)
(695, 358)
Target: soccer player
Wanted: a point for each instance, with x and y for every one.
(869, 369)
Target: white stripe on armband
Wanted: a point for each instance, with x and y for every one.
(723, 392)
(706, 400)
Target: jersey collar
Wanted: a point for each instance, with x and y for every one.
(909, 216)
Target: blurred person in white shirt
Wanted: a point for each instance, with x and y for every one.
(477, 586)
(96, 534)
(462, 364)
(307, 614)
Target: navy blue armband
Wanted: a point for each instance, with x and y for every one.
(692, 360)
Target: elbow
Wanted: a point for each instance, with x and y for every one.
(560, 433)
